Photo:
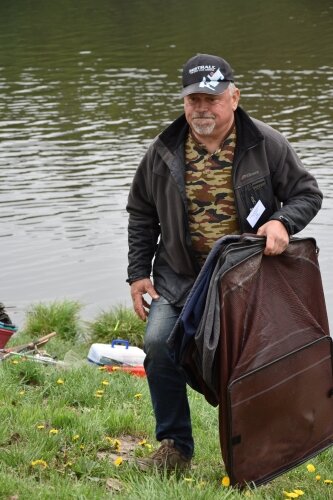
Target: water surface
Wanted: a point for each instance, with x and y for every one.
(85, 86)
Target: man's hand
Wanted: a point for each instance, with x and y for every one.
(138, 289)
(277, 237)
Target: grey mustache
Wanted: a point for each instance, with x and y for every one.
(202, 115)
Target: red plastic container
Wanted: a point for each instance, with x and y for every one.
(138, 370)
(5, 335)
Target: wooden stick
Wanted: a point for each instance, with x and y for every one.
(27, 347)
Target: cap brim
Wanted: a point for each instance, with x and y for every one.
(198, 88)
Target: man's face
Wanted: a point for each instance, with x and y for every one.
(211, 115)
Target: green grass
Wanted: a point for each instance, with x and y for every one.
(58, 416)
(60, 316)
(120, 322)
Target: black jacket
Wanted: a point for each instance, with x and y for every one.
(265, 168)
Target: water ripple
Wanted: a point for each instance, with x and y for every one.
(78, 112)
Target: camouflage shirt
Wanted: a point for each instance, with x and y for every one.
(209, 191)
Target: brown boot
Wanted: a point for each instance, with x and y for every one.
(166, 457)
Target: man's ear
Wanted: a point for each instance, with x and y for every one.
(235, 99)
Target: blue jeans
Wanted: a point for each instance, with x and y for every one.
(166, 380)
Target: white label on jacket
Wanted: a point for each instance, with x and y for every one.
(255, 213)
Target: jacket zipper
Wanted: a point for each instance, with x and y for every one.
(236, 164)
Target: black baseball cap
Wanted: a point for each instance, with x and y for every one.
(206, 74)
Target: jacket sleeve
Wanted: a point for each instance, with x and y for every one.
(296, 189)
(143, 223)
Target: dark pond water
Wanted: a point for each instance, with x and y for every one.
(84, 87)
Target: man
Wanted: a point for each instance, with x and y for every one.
(213, 171)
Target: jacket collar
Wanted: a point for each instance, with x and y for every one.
(248, 134)
(174, 135)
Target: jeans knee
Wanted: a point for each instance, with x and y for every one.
(155, 347)
(161, 321)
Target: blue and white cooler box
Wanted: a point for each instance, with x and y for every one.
(119, 352)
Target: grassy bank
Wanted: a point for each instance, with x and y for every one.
(73, 432)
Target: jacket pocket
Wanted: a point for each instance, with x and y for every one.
(259, 190)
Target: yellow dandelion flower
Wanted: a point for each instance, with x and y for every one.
(311, 468)
(118, 461)
(100, 391)
(225, 481)
(98, 395)
(82, 447)
(328, 481)
(21, 393)
(40, 426)
(105, 382)
(148, 446)
(75, 437)
(143, 442)
(138, 396)
(41, 463)
(102, 368)
(53, 431)
(15, 362)
(318, 477)
(112, 441)
(290, 494)
(299, 492)
(115, 368)
(60, 381)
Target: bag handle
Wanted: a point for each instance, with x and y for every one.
(120, 342)
(252, 237)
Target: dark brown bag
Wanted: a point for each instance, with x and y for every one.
(275, 361)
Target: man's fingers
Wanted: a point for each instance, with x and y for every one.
(152, 292)
(145, 303)
(277, 237)
(274, 247)
(138, 290)
(270, 245)
(138, 307)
